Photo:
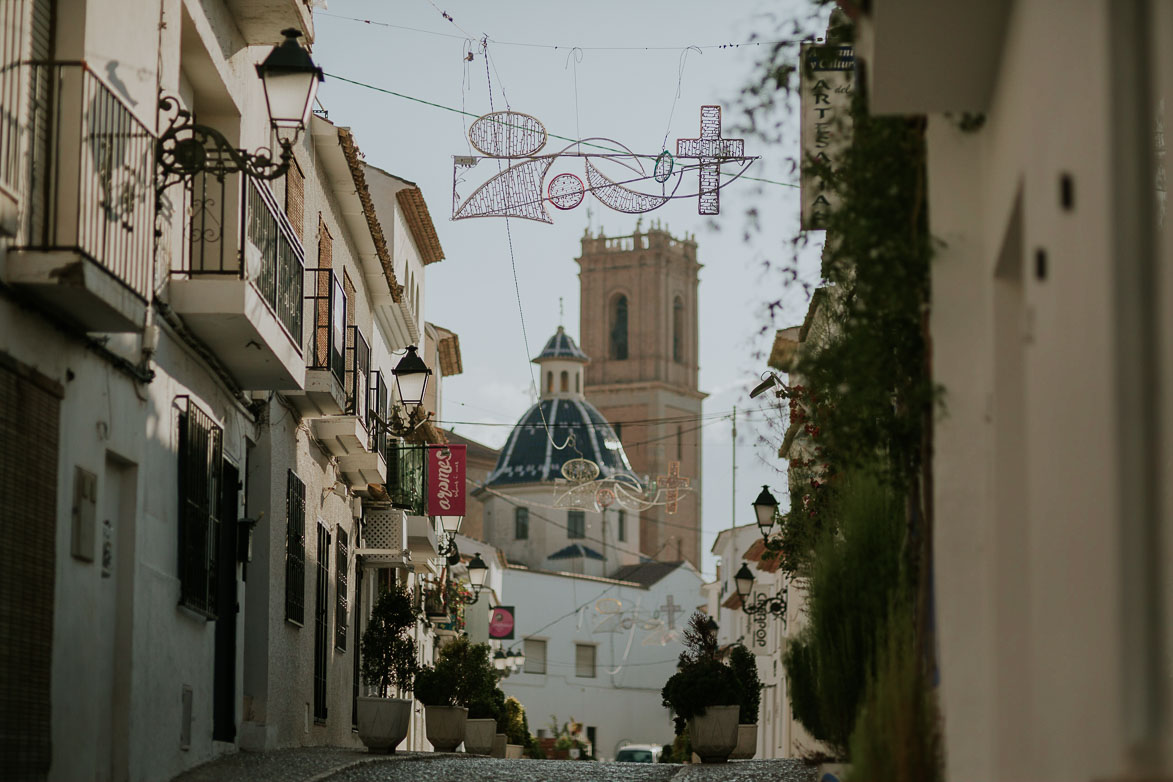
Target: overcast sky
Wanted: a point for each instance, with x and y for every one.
(628, 94)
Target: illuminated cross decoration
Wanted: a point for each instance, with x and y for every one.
(673, 483)
(711, 150)
(672, 610)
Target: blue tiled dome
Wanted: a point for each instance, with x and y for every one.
(562, 346)
(529, 457)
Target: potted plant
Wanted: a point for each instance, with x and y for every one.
(485, 711)
(388, 661)
(745, 668)
(444, 721)
(704, 694)
(516, 729)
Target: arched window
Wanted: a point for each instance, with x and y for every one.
(577, 382)
(565, 381)
(619, 327)
(549, 382)
(678, 331)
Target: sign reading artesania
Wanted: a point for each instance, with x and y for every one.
(446, 491)
(827, 84)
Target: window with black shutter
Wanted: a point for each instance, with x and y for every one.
(200, 465)
(295, 550)
(341, 576)
(521, 523)
(575, 524)
(321, 624)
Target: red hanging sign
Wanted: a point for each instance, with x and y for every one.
(446, 470)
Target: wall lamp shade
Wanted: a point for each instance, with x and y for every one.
(765, 507)
(500, 660)
(411, 378)
(515, 658)
(478, 571)
(291, 81)
(450, 524)
(744, 582)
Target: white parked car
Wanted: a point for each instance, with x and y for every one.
(639, 753)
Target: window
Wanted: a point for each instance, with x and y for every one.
(341, 577)
(535, 656)
(295, 549)
(549, 382)
(679, 443)
(521, 523)
(619, 327)
(621, 527)
(575, 524)
(200, 465)
(678, 331)
(584, 660)
(565, 381)
(577, 382)
(321, 623)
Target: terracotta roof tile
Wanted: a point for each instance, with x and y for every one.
(419, 222)
(354, 161)
(754, 554)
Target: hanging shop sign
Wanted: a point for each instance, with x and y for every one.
(827, 85)
(446, 486)
(501, 622)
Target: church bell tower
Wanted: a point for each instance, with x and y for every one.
(638, 323)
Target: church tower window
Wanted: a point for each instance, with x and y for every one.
(619, 327)
(565, 384)
(549, 382)
(678, 331)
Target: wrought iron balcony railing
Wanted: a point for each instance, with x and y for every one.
(281, 273)
(90, 175)
(377, 408)
(358, 375)
(327, 301)
(407, 477)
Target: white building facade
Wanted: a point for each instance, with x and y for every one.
(194, 380)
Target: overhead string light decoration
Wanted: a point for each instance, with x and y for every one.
(520, 190)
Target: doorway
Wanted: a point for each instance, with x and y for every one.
(224, 675)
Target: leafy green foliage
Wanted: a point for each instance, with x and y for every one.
(463, 676)
(434, 688)
(745, 669)
(856, 574)
(897, 734)
(388, 651)
(701, 679)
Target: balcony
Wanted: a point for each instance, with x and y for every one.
(384, 538)
(407, 477)
(347, 436)
(325, 373)
(248, 313)
(261, 21)
(421, 542)
(84, 247)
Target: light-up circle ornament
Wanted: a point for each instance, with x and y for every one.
(604, 498)
(566, 191)
(664, 165)
(580, 470)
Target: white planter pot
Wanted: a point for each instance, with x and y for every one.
(513, 750)
(382, 722)
(498, 746)
(478, 736)
(714, 734)
(747, 742)
(444, 726)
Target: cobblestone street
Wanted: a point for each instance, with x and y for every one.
(337, 765)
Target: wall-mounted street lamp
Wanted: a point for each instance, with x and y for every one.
(508, 661)
(449, 526)
(411, 381)
(187, 148)
(766, 604)
(478, 571)
(765, 509)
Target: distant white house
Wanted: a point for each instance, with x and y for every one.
(599, 650)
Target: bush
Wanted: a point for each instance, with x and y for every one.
(856, 573)
(434, 688)
(388, 651)
(896, 735)
(745, 669)
(701, 679)
(463, 676)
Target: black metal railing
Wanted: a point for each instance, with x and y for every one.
(327, 302)
(407, 476)
(280, 273)
(377, 409)
(91, 174)
(358, 375)
(12, 77)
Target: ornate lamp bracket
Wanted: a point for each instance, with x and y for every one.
(187, 148)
